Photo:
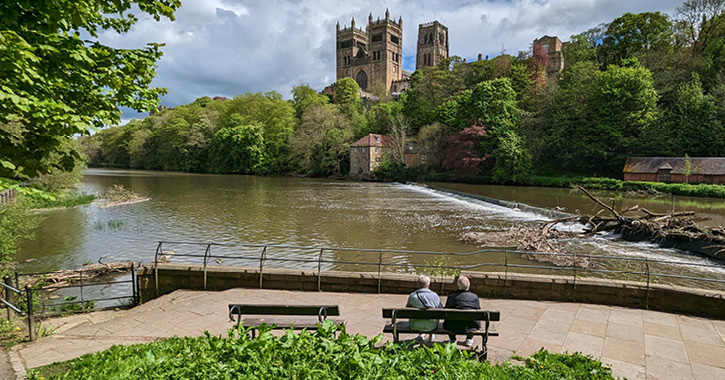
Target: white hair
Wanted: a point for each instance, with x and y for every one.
(423, 281)
(463, 283)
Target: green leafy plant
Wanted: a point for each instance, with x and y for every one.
(307, 355)
(440, 266)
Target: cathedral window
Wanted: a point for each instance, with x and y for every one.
(394, 39)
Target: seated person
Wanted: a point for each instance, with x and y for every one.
(465, 300)
(424, 298)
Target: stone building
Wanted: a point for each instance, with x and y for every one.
(372, 55)
(432, 44)
(554, 47)
(366, 154)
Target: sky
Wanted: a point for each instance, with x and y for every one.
(231, 47)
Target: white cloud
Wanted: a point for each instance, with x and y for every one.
(229, 47)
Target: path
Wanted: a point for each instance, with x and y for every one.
(638, 344)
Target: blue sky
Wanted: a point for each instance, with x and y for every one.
(230, 47)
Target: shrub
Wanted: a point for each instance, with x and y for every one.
(396, 171)
(306, 355)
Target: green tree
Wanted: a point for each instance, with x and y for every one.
(303, 96)
(692, 125)
(316, 148)
(238, 148)
(512, 159)
(637, 35)
(429, 88)
(276, 116)
(55, 84)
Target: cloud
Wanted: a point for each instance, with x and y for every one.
(230, 47)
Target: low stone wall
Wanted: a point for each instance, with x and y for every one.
(666, 298)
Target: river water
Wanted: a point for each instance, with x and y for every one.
(316, 212)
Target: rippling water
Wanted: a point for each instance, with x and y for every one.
(289, 211)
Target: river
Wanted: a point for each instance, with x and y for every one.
(312, 212)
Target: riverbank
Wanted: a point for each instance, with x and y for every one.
(602, 183)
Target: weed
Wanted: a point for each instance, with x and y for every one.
(440, 266)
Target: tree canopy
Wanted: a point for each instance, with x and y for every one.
(55, 83)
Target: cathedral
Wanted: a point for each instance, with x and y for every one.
(374, 55)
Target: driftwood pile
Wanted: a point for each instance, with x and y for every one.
(541, 240)
(65, 277)
(635, 221)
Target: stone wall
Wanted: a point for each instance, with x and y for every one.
(487, 285)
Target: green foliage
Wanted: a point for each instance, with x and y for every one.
(637, 35)
(390, 170)
(16, 222)
(440, 265)
(275, 115)
(238, 148)
(430, 87)
(55, 84)
(513, 161)
(61, 200)
(306, 355)
(72, 306)
(321, 143)
(303, 96)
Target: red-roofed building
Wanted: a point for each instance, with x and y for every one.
(366, 154)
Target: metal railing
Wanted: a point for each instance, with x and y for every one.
(82, 285)
(648, 273)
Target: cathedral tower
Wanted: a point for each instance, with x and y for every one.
(432, 44)
(371, 56)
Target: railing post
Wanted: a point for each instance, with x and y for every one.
(207, 252)
(506, 272)
(29, 297)
(646, 301)
(134, 285)
(380, 267)
(261, 264)
(574, 270)
(81, 288)
(8, 293)
(156, 267)
(319, 270)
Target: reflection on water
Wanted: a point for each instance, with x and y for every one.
(294, 211)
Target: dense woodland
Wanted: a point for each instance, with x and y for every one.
(646, 84)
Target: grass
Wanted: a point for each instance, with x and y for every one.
(318, 355)
(62, 200)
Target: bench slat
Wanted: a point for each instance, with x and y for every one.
(449, 314)
(286, 323)
(404, 328)
(286, 309)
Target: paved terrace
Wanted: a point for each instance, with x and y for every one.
(638, 344)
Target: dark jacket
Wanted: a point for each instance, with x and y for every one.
(464, 300)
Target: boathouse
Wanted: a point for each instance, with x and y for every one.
(674, 169)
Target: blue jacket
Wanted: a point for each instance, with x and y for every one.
(424, 298)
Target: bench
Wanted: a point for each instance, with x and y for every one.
(319, 311)
(396, 327)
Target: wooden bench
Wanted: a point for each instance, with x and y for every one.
(319, 311)
(396, 327)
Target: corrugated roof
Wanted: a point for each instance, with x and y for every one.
(700, 165)
(372, 140)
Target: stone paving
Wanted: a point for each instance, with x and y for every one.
(638, 344)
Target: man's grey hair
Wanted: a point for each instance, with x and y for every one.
(463, 283)
(423, 281)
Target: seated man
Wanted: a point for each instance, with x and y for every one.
(466, 300)
(424, 298)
